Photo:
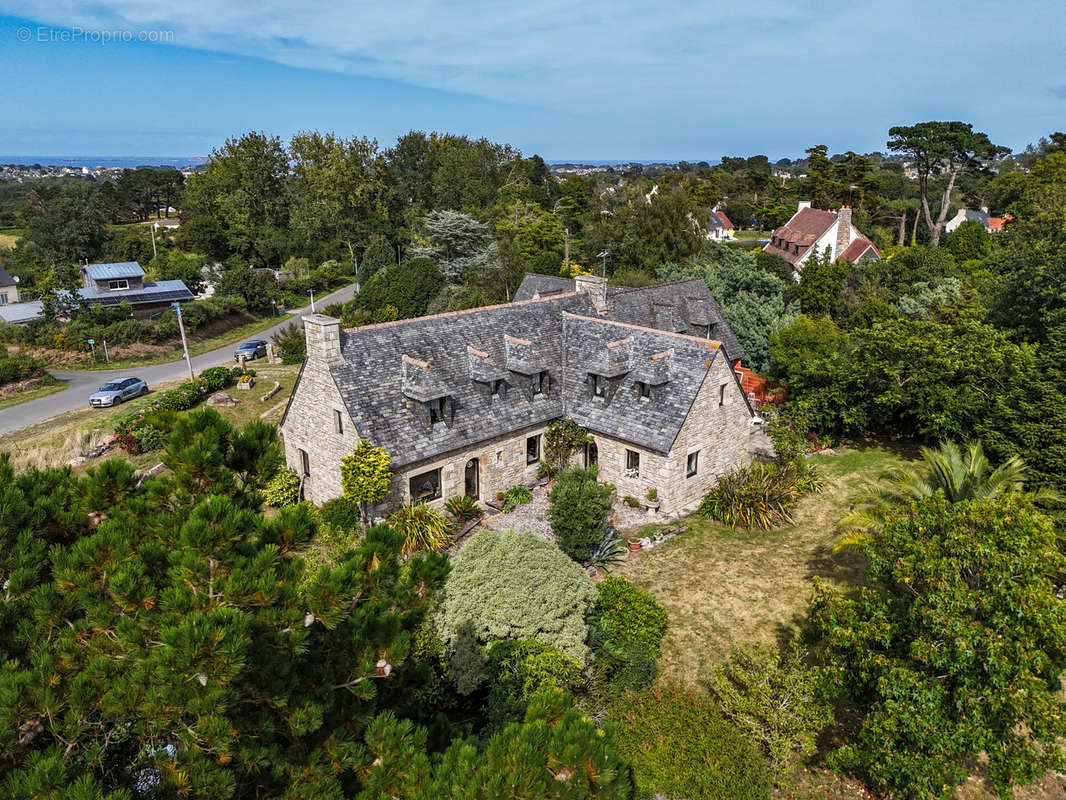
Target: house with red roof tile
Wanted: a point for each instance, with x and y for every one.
(813, 230)
(719, 228)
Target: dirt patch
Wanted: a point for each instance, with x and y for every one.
(20, 387)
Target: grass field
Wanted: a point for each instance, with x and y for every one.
(724, 587)
(56, 442)
(9, 236)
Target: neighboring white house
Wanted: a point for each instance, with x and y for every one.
(991, 224)
(812, 230)
(719, 228)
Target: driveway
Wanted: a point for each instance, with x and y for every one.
(84, 383)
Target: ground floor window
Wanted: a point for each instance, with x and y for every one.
(693, 464)
(425, 487)
(632, 464)
(533, 449)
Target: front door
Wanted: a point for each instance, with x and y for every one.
(472, 478)
(592, 454)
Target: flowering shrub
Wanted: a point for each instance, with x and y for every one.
(190, 394)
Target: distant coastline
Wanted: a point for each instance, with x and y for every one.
(129, 162)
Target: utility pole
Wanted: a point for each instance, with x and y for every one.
(312, 293)
(152, 229)
(107, 357)
(184, 344)
(566, 251)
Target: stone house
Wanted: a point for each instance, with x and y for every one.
(461, 400)
(813, 230)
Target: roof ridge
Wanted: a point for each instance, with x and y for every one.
(516, 304)
(714, 343)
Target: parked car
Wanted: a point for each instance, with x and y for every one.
(114, 392)
(251, 350)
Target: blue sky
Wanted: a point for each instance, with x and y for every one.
(670, 80)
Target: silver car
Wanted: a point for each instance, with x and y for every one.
(114, 392)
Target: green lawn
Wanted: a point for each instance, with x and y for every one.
(9, 236)
(46, 388)
(723, 587)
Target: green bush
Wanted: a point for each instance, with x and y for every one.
(19, 368)
(627, 613)
(631, 501)
(423, 527)
(627, 627)
(408, 287)
(776, 698)
(512, 585)
(462, 507)
(150, 438)
(516, 496)
(191, 394)
(681, 746)
(519, 670)
(579, 507)
(340, 513)
(757, 496)
(291, 343)
(283, 489)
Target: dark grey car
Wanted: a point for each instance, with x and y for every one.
(251, 350)
(114, 392)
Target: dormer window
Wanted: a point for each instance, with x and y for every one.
(538, 383)
(495, 388)
(643, 391)
(599, 385)
(118, 285)
(436, 410)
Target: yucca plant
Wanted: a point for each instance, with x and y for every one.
(423, 527)
(609, 553)
(463, 507)
(757, 496)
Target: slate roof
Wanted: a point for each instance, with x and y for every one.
(653, 424)
(541, 285)
(679, 307)
(120, 269)
(388, 370)
(5, 278)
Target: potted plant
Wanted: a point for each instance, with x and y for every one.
(634, 543)
(652, 501)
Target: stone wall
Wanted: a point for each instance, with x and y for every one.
(501, 465)
(309, 423)
(719, 433)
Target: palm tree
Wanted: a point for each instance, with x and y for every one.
(959, 473)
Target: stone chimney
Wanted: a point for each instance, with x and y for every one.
(843, 230)
(323, 337)
(595, 287)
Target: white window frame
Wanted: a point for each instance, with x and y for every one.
(118, 285)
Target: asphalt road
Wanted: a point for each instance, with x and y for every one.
(82, 384)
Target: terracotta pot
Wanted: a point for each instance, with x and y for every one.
(634, 544)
